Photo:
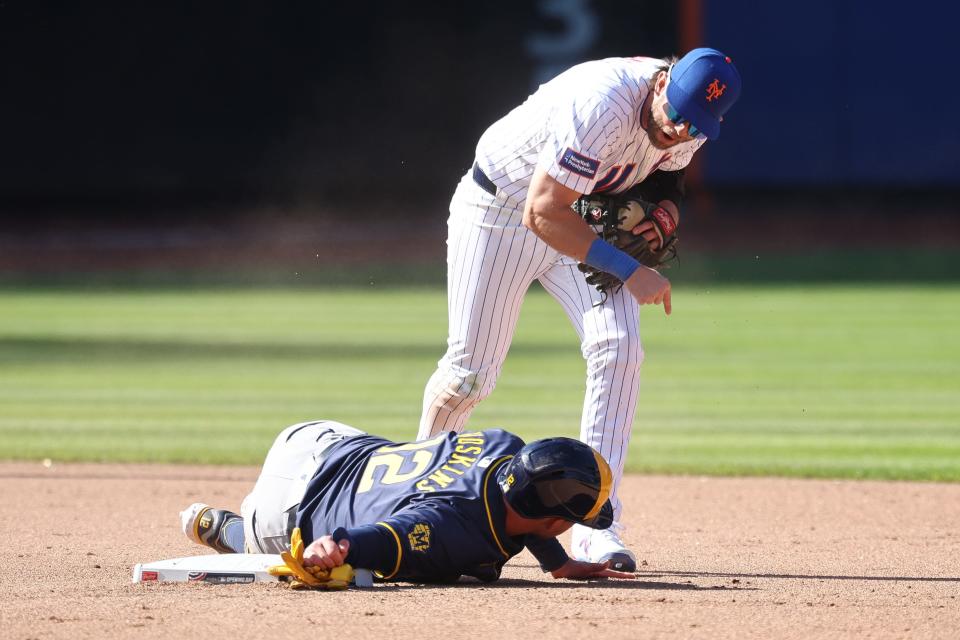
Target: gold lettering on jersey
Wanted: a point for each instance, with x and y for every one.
(414, 446)
(458, 463)
(457, 458)
(440, 478)
(424, 486)
(393, 463)
(419, 538)
(465, 450)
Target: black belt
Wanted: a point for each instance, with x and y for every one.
(483, 181)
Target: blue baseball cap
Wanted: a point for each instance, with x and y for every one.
(704, 84)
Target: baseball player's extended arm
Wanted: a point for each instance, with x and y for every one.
(428, 541)
(548, 214)
(578, 570)
(326, 552)
(548, 552)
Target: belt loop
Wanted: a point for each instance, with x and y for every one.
(483, 181)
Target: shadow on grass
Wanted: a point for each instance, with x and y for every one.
(26, 350)
(770, 266)
(839, 266)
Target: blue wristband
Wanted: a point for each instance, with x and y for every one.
(606, 257)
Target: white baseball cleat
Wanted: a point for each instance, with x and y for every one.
(602, 545)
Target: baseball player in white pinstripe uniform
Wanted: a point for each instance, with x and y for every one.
(601, 126)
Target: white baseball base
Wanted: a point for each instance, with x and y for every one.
(222, 568)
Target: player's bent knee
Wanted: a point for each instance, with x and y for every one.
(462, 391)
(614, 352)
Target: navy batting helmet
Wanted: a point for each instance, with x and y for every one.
(560, 478)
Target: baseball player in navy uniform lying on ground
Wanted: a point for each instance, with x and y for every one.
(458, 504)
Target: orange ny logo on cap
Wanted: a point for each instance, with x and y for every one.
(715, 89)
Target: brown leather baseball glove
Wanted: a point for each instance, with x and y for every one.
(617, 215)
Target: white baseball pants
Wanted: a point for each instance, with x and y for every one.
(270, 509)
(492, 259)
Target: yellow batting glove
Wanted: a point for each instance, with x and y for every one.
(313, 577)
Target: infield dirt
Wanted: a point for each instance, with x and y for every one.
(721, 558)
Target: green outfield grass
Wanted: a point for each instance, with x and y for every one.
(835, 381)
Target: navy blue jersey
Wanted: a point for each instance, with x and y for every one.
(420, 511)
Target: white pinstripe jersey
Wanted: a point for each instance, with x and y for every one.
(584, 128)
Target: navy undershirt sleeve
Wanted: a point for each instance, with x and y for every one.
(371, 547)
(427, 542)
(548, 552)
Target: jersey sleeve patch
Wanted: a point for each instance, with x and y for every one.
(419, 537)
(579, 164)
